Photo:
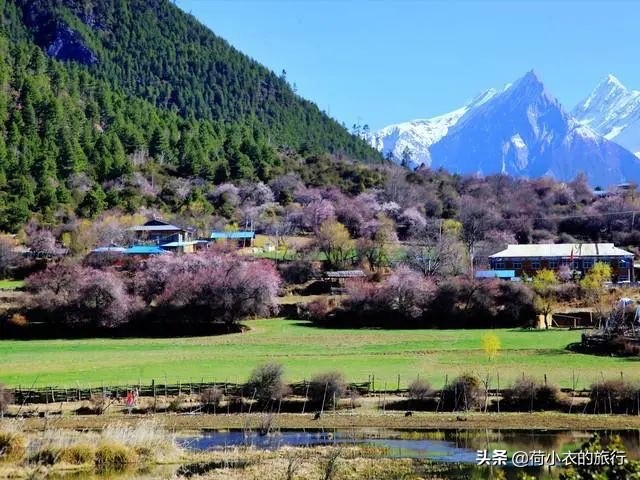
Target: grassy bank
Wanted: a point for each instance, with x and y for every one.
(305, 350)
(395, 420)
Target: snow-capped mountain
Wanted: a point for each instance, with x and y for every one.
(415, 137)
(613, 111)
(523, 131)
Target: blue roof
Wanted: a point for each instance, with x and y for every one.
(144, 250)
(109, 250)
(241, 235)
(495, 273)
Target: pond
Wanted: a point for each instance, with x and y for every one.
(447, 447)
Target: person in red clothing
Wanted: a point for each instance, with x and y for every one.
(131, 399)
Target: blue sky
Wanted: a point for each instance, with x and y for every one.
(382, 62)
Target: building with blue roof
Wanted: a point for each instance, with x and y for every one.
(243, 237)
(144, 250)
(501, 274)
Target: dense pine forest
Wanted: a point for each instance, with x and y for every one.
(96, 117)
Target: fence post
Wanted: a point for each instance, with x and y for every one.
(398, 389)
(499, 392)
(384, 400)
(155, 397)
(306, 396)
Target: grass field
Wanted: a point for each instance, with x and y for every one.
(11, 284)
(305, 350)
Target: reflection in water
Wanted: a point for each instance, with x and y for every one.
(443, 445)
(456, 450)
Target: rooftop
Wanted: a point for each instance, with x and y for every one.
(156, 228)
(183, 244)
(144, 250)
(567, 250)
(345, 274)
(495, 274)
(111, 249)
(239, 235)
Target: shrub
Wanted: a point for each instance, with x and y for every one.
(219, 288)
(327, 386)
(266, 381)
(420, 389)
(18, 320)
(464, 393)
(400, 300)
(175, 405)
(45, 455)
(299, 271)
(211, 396)
(6, 399)
(613, 396)
(82, 295)
(527, 394)
(77, 454)
(318, 310)
(114, 457)
(13, 447)
(8, 258)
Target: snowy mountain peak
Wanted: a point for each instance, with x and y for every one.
(409, 142)
(613, 81)
(613, 111)
(520, 130)
(530, 86)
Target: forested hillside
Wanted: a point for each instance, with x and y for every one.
(155, 51)
(118, 125)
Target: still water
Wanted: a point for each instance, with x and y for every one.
(452, 448)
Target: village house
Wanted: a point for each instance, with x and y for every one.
(159, 232)
(526, 260)
(340, 280)
(241, 237)
(167, 236)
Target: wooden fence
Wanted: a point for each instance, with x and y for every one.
(54, 394)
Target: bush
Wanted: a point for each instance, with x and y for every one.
(6, 399)
(175, 405)
(266, 381)
(81, 296)
(13, 447)
(77, 454)
(327, 386)
(211, 396)
(298, 272)
(420, 390)
(527, 394)
(217, 288)
(613, 396)
(464, 393)
(318, 310)
(46, 455)
(18, 320)
(114, 457)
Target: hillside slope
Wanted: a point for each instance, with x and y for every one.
(153, 50)
(73, 143)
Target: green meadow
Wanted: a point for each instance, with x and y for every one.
(305, 350)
